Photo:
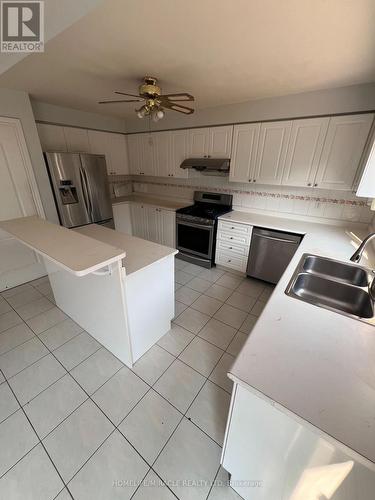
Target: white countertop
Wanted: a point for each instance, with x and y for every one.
(139, 253)
(168, 204)
(74, 252)
(318, 364)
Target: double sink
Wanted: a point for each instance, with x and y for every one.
(331, 284)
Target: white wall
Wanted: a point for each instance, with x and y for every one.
(16, 104)
(68, 116)
(323, 102)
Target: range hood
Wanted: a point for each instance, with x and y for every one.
(207, 165)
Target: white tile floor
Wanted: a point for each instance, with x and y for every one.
(76, 423)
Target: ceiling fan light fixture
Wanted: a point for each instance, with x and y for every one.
(142, 111)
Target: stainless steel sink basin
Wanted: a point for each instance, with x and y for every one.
(334, 285)
(335, 295)
(340, 271)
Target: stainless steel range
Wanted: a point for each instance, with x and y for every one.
(197, 225)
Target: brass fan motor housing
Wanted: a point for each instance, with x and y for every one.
(149, 87)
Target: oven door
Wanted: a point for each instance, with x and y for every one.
(195, 239)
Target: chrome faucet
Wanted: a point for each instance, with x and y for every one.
(356, 257)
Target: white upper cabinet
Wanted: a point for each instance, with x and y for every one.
(162, 154)
(213, 142)
(114, 147)
(178, 152)
(134, 151)
(198, 142)
(220, 142)
(52, 137)
(271, 154)
(304, 151)
(342, 151)
(77, 140)
(245, 144)
(366, 186)
(141, 154)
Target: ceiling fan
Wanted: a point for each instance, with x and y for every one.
(154, 101)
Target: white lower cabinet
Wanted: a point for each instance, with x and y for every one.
(271, 455)
(233, 245)
(147, 222)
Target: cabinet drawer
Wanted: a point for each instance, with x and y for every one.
(234, 227)
(232, 237)
(232, 261)
(230, 249)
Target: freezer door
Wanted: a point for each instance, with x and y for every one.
(66, 180)
(96, 187)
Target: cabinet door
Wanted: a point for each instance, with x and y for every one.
(179, 153)
(100, 145)
(366, 185)
(153, 224)
(343, 147)
(162, 150)
(198, 142)
(122, 218)
(245, 144)
(52, 137)
(220, 142)
(139, 220)
(134, 153)
(119, 154)
(167, 228)
(271, 154)
(77, 140)
(304, 151)
(147, 154)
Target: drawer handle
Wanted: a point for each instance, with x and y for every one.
(232, 227)
(230, 248)
(230, 260)
(231, 238)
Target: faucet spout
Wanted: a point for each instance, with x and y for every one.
(356, 257)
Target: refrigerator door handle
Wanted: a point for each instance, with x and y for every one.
(85, 191)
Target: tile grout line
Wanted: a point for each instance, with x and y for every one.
(40, 442)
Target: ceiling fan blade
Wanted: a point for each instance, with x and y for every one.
(130, 95)
(111, 101)
(177, 107)
(178, 97)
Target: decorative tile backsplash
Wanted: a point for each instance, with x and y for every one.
(317, 203)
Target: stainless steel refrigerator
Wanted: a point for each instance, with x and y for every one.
(80, 185)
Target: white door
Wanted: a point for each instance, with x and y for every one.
(198, 142)
(52, 137)
(245, 144)
(134, 154)
(162, 150)
(271, 154)
(304, 151)
(147, 154)
(220, 142)
(122, 218)
(19, 197)
(167, 228)
(343, 147)
(99, 145)
(77, 140)
(119, 154)
(179, 152)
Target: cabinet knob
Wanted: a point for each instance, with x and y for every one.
(309, 184)
(315, 184)
(230, 248)
(232, 227)
(230, 260)
(250, 180)
(231, 238)
(254, 180)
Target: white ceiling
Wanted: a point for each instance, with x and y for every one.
(221, 51)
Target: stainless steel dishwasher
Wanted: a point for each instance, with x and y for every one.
(270, 253)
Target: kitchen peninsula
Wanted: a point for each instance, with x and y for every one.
(101, 279)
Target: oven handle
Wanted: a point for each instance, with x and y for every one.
(193, 224)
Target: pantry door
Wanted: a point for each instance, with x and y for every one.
(19, 197)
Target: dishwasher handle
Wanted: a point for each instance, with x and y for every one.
(282, 240)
